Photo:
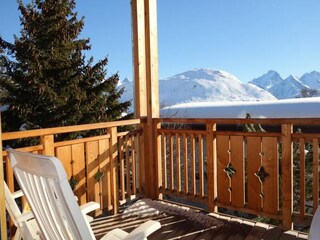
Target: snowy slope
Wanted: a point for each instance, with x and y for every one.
(288, 108)
(203, 85)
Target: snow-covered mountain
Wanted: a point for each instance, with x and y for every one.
(268, 80)
(287, 88)
(311, 79)
(203, 85)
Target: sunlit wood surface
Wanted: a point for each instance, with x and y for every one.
(179, 227)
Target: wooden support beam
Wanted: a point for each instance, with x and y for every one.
(3, 215)
(114, 169)
(211, 166)
(287, 176)
(146, 89)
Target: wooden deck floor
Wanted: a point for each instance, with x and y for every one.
(179, 227)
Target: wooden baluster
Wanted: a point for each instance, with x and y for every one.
(122, 173)
(201, 166)
(193, 165)
(315, 143)
(302, 177)
(178, 163)
(128, 176)
(185, 162)
(133, 164)
(164, 161)
(171, 167)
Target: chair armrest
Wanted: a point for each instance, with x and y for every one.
(24, 217)
(17, 194)
(144, 230)
(89, 207)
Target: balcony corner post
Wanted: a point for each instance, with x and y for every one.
(114, 169)
(146, 86)
(211, 166)
(287, 176)
(48, 144)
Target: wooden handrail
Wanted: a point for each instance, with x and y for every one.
(66, 129)
(231, 121)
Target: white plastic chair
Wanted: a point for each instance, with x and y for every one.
(44, 183)
(27, 227)
(314, 233)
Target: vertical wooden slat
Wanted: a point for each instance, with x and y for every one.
(185, 162)
(64, 155)
(133, 168)
(302, 181)
(138, 161)
(287, 176)
(128, 175)
(315, 143)
(237, 180)
(78, 159)
(193, 165)
(171, 167)
(104, 162)
(201, 166)
(271, 166)
(178, 162)
(92, 152)
(164, 161)
(121, 170)
(223, 161)
(113, 151)
(3, 215)
(254, 163)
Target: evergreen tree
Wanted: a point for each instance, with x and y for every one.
(49, 81)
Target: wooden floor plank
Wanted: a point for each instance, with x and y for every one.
(226, 231)
(242, 232)
(256, 233)
(288, 235)
(273, 233)
(180, 227)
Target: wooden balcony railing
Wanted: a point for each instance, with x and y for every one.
(216, 163)
(212, 162)
(101, 168)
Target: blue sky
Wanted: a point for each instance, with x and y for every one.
(246, 38)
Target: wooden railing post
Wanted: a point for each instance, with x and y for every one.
(211, 166)
(48, 145)
(114, 168)
(146, 97)
(287, 176)
(157, 147)
(3, 215)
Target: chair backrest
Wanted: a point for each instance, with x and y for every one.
(44, 183)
